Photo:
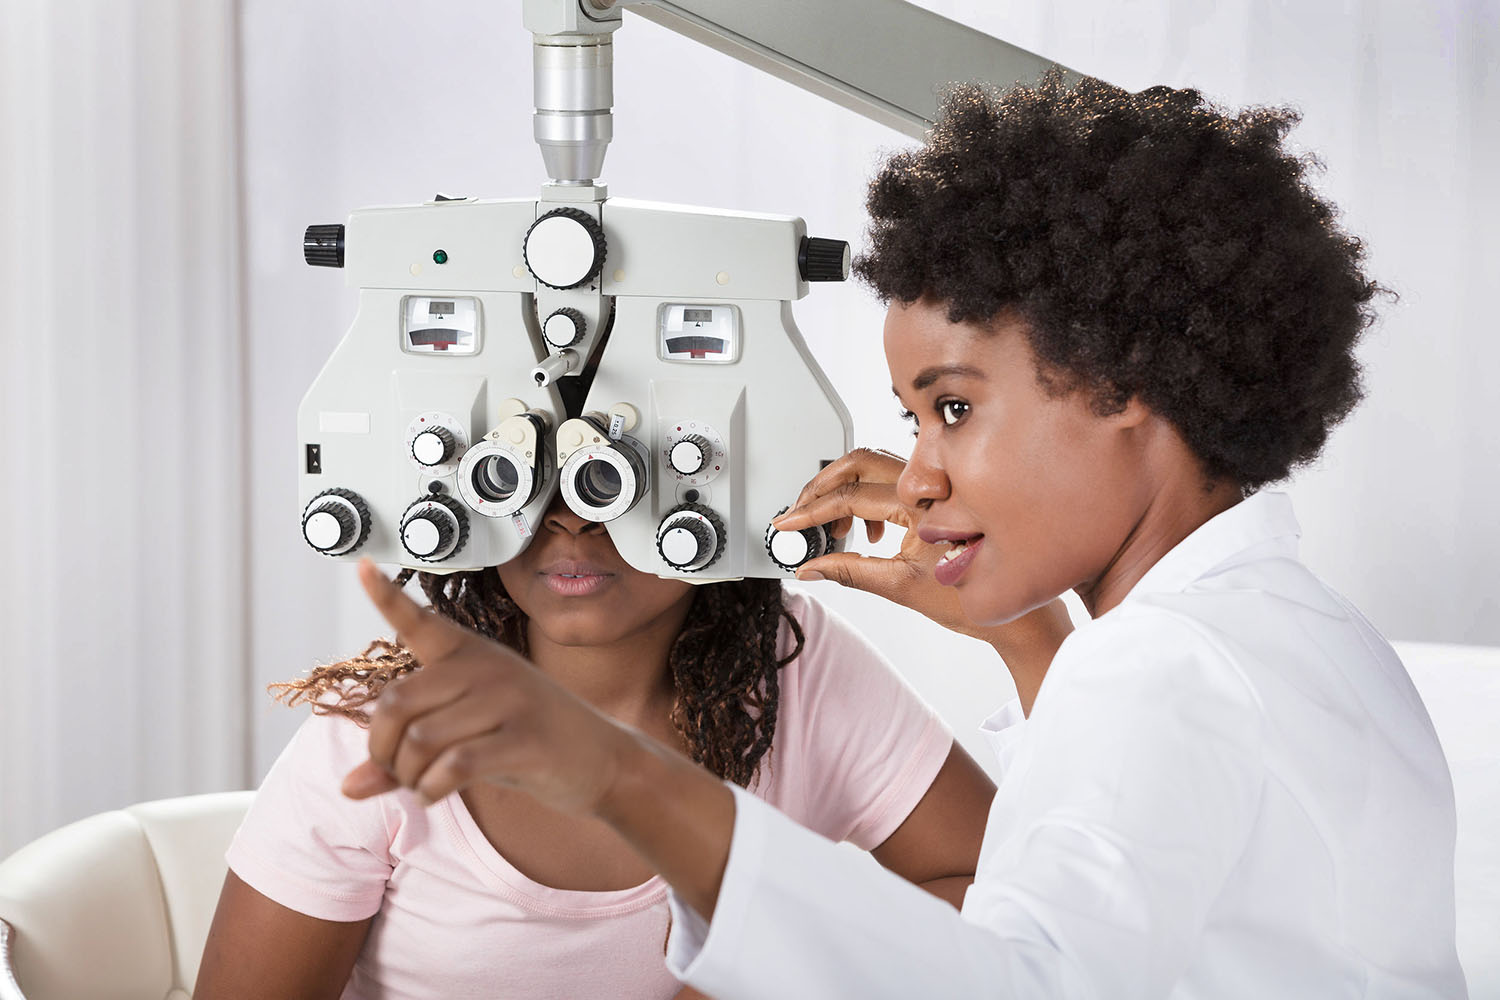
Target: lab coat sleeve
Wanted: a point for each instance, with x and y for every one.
(1124, 811)
(799, 916)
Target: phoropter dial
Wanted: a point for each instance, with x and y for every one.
(790, 549)
(508, 469)
(564, 248)
(336, 522)
(434, 528)
(434, 441)
(433, 446)
(564, 328)
(602, 478)
(690, 538)
(690, 454)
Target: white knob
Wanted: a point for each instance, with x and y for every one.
(689, 455)
(422, 536)
(564, 248)
(680, 546)
(432, 447)
(323, 530)
(564, 328)
(790, 548)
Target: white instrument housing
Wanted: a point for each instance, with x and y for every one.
(759, 410)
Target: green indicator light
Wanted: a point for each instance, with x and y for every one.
(440, 256)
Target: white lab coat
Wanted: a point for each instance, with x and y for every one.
(1228, 787)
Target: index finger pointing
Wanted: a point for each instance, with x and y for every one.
(429, 637)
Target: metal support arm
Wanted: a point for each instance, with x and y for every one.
(887, 60)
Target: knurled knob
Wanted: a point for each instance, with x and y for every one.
(564, 248)
(790, 549)
(564, 328)
(434, 528)
(691, 537)
(823, 260)
(323, 246)
(433, 446)
(689, 455)
(336, 522)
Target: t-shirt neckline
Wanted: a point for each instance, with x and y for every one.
(533, 894)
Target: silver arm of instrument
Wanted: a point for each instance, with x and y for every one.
(887, 60)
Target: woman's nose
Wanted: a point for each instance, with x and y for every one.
(923, 481)
(560, 518)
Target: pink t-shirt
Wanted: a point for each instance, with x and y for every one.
(855, 750)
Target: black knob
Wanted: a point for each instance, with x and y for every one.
(790, 549)
(434, 446)
(551, 260)
(691, 537)
(430, 526)
(323, 246)
(823, 260)
(336, 522)
(564, 328)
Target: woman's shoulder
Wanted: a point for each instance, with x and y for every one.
(330, 737)
(838, 670)
(824, 631)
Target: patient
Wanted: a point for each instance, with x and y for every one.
(491, 894)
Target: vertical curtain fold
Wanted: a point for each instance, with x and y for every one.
(125, 670)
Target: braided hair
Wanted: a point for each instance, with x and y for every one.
(723, 663)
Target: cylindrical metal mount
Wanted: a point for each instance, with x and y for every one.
(573, 77)
(555, 367)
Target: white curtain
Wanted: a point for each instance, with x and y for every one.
(124, 672)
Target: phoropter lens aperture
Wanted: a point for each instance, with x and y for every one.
(496, 478)
(599, 483)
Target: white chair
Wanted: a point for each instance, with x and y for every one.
(1461, 688)
(116, 906)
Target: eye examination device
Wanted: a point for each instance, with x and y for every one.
(639, 359)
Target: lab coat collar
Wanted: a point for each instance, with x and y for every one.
(1263, 522)
(1002, 729)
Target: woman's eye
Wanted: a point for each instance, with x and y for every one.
(910, 418)
(952, 410)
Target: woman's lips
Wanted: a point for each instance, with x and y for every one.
(949, 570)
(575, 579)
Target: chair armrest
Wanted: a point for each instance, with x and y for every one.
(9, 988)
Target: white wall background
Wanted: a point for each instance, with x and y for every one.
(160, 158)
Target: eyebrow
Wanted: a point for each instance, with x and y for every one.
(930, 375)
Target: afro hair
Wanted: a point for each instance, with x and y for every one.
(1157, 248)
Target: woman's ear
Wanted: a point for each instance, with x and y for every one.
(1133, 414)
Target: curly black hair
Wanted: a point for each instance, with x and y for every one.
(1156, 246)
(723, 663)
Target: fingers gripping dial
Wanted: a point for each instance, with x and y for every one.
(336, 522)
(564, 248)
(434, 528)
(790, 549)
(690, 538)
